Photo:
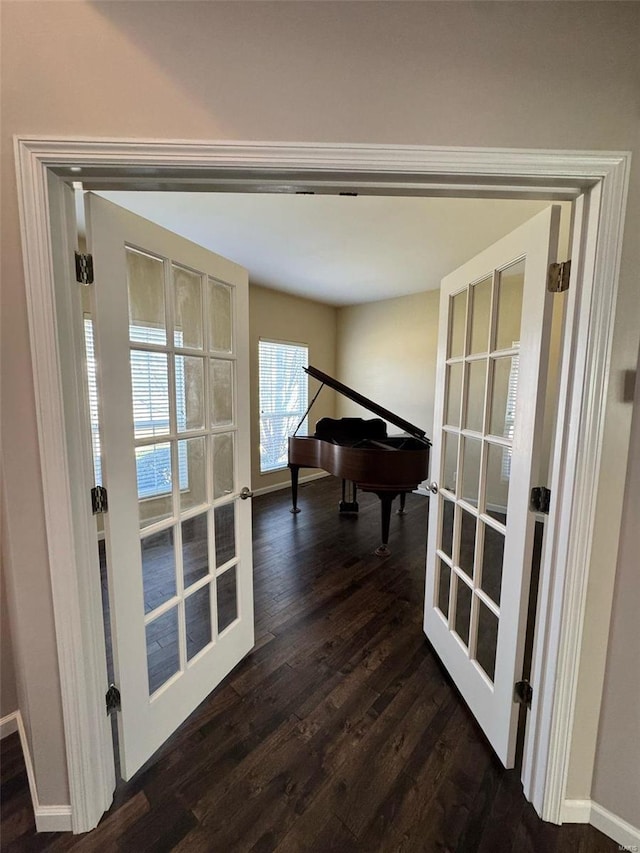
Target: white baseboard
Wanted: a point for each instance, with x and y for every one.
(8, 724)
(575, 811)
(627, 836)
(586, 811)
(48, 818)
(287, 485)
(53, 818)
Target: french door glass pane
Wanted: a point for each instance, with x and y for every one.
(187, 294)
(220, 317)
(497, 483)
(150, 393)
(221, 391)
(163, 650)
(224, 523)
(158, 569)
(487, 640)
(510, 290)
(467, 542)
(145, 282)
(503, 396)
(492, 559)
(446, 535)
(463, 610)
(457, 321)
(153, 469)
(443, 574)
(227, 599)
(476, 382)
(223, 465)
(450, 461)
(472, 452)
(454, 394)
(189, 392)
(197, 614)
(480, 316)
(195, 549)
(193, 484)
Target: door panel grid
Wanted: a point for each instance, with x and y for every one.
(493, 339)
(467, 473)
(176, 403)
(171, 320)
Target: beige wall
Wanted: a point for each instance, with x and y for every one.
(456, 74)
(387, 352)
(620, 720)
(278, 316)
(8, 687)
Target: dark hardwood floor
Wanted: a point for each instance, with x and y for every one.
(339, 732)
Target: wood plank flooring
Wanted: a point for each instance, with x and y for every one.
(339, 732)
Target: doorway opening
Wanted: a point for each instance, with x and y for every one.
(150, 406)
(39, 161)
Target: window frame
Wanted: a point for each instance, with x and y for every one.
(300, 414)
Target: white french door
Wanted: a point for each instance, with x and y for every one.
(494, 327)
(171, 338)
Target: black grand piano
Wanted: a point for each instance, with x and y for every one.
(362, 454)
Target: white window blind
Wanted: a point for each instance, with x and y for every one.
(150, 398)
(510, 413)
(283, 399)
(93, 399)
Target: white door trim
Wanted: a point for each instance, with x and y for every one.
(77, 609)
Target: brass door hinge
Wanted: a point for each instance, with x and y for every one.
(558, 277)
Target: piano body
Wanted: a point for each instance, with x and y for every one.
(362, 454)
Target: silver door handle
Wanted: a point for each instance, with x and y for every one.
(245, 493)
(434, 488)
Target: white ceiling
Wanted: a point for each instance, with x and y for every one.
(341, 250)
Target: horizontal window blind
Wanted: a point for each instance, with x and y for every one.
(283, 399)
(93, 399)
(510, 413)
(150, 400)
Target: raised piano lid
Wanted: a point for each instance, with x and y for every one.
(394, 419)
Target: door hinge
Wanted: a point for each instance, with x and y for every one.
(99, 502)
(540, 499)
(112, 699)
(523, 693)
(84, 268)
(558, 277)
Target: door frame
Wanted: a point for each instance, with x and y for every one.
(45, 164)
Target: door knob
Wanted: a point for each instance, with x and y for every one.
(245, 493)
(433, 487)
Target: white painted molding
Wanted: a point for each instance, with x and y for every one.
(580, 472)
(48, 818)
(627, 835)
(53, 818)
(8, 724)
(587, 811)
(575, 811)
(79, 641)
(558, 174)
(278, 487)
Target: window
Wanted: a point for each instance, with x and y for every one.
(150, 393)
(283, 399)
(93, 399)
(510, 413)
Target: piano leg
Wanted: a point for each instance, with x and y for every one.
(403, 497)
(349, 502)
(294, 487)
(386, 500)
